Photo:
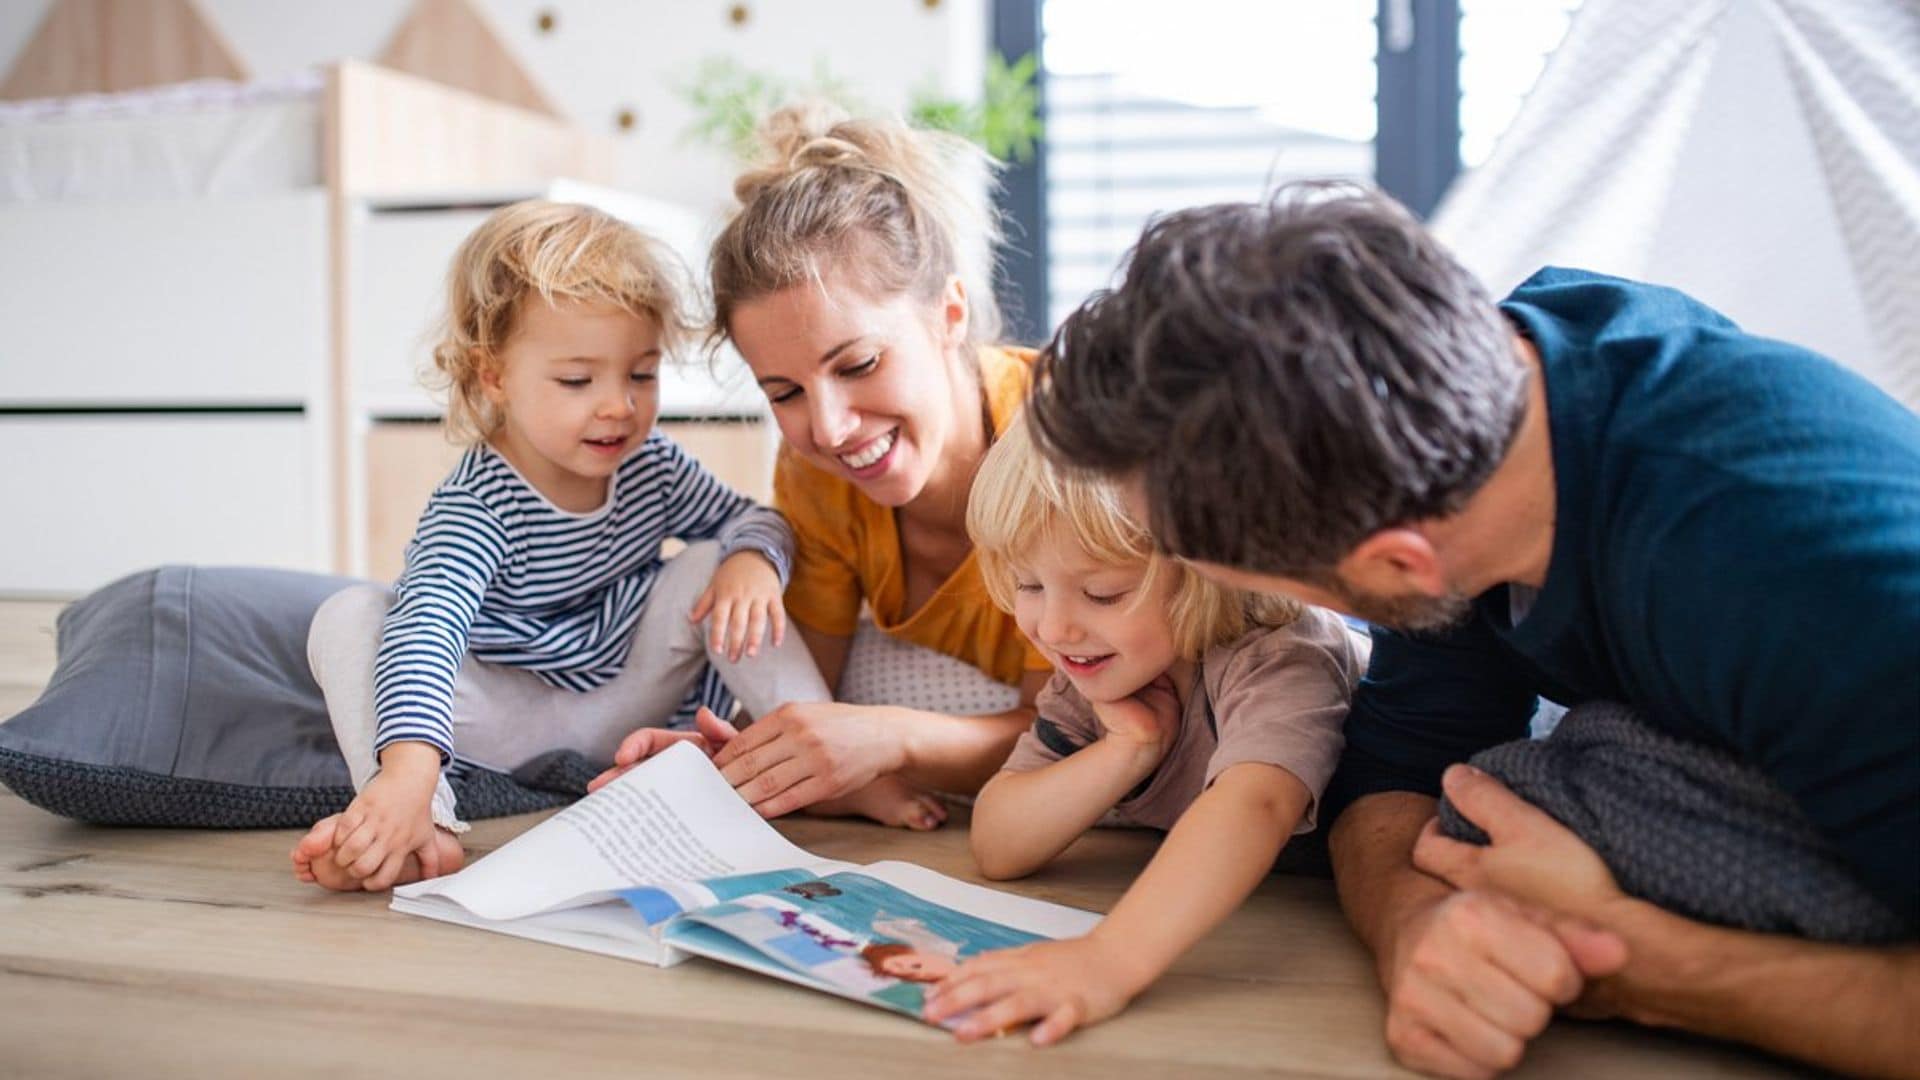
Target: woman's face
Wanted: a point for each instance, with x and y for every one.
(869, 389)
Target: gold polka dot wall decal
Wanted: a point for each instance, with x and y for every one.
(546, 22)
(930, 5)
(738, 14)
(626, 120)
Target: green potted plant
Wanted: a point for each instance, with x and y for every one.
(729, 101)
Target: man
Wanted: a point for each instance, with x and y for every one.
(1597, 490)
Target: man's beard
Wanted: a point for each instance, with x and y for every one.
(1410, 611)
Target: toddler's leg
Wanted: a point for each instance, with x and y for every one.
(780, 674)
(507, 717)
(341, 645)
(777, 676)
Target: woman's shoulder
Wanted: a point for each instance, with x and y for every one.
(1006, 373)
(809, 495)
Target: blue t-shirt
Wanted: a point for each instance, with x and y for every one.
(1736, 554)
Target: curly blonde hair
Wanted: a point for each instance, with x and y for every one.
(556, 251)
(895, 209)
(1021, 500)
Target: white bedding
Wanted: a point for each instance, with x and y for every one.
(191, 140)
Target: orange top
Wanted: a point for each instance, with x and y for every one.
(847, 549)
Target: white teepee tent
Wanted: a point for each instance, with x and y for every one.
(1763, 155)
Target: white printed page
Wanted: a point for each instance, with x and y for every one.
(673, 818)
(1019, 912)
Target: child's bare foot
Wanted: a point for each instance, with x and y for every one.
(889, 801)
(313, 862)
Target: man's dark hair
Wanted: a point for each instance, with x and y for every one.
(1287, 378)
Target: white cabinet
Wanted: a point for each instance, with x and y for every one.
(92, 497)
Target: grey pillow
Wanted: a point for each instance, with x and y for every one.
(181, 697)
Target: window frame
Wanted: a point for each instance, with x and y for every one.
(1416, 139)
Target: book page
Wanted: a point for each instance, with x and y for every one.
(673, 818)
(1023, 913)
(876, 934)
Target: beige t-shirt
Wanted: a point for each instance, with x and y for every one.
(1276, 696)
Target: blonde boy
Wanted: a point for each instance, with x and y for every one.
(1177, 704)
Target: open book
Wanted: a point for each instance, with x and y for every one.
(668, 861)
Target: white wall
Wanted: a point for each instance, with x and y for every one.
(606, 55)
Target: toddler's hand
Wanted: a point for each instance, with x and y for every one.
(1149, 718)
(391, 817)
(1060, 985)
(744, 600)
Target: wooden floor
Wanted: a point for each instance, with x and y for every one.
(171, 953)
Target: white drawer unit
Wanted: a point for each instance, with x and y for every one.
(92, 497)
(402, 253)
(399, 294)
(164, 302)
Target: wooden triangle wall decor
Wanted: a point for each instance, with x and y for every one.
(109, 46)
(452, 43)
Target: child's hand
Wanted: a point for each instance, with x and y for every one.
(744, 600)
(391, 817)
(1149, 718)
(710, 735)
(1060, 985)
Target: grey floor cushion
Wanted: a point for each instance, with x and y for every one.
(1689, 827)
(181, 697)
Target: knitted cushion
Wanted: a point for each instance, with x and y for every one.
(181, 697)
(1688, 827)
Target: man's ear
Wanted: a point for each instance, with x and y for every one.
(1394, 562)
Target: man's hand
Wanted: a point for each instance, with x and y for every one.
(1472, 977)
(1531, 858)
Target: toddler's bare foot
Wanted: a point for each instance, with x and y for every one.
(313, 858)
(889, 801)
(313, 862)
(442, 854)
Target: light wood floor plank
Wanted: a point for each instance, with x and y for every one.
(179, 952)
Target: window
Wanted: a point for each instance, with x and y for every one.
(1148, 113)
(1504, 45)
(1151, 107)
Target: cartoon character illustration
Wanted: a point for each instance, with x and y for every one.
(792, 920)
(907, 963)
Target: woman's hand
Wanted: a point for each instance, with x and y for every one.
(710, 734)
(802, 753)
(1059, 985)
(1149, 718)
(744, 600)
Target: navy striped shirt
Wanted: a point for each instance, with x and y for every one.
(497, 570)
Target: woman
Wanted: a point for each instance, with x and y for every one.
(854, 281)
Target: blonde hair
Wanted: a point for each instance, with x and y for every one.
(557, 251)
(1020, 500)
(899, 210)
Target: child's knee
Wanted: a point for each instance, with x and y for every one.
(685, 576)
(345, 620)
